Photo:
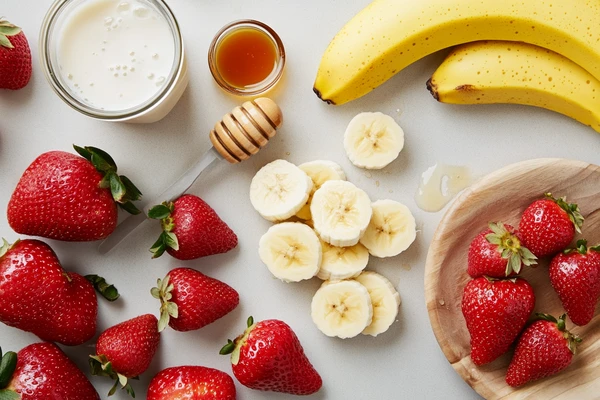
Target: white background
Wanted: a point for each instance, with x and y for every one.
(406, 361)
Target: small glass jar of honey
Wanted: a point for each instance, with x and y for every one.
(246, 57)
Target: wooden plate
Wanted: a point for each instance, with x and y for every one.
(502, 196)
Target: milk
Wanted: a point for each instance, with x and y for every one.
(115, 55)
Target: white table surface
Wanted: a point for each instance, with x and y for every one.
(406, 361)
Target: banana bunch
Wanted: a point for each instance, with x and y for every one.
(518, 73)
(348, 228)
(389, 35)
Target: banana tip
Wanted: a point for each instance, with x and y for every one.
(318, 93)
(432, 87)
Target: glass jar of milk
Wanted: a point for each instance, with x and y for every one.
(115, 60)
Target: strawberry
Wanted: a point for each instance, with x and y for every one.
(548, 225)
(190, 300)
(497, 253)
(126, 350)
(269, 356)
(575, 276)
(545, 348)
(66, 197)
(191, 229)
(15, 57)
(41, 371)
(191, 382)
(39, 296)
(496, 312)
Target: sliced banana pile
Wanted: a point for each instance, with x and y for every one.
(279, 190)
(391, 231)
(373, 140)
(291, 251)
(341, 213)
(367, 304)
(320, 171)
(330, 229)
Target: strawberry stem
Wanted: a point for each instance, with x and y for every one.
(167, 238)
(510, 248)
(108, 291)
(571, 209)
(168, 309)
(6, 30)
(100, 366)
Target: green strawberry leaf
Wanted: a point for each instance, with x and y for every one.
(6, 394)
(163, 321)
(5, 247)
(228, 348)
(9, 30)
(4, 42)
(171, 240)
(113, 389)
(83, 152)
(130, 208)
(117, 188)
(108, 291)
(131, 191)
(102, 157)
(8, 364)
(160, 211)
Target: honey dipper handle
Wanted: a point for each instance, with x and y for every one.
(246, 129)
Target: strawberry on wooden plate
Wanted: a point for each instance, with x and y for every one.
(67, 197)
(41, 371)
(193, 383)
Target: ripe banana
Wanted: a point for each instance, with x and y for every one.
(507, 72)
(342, 262)
(279, 190)
(373, 140)
(389, 35)
(342, 308)
(341, 213)
(291, 251)
(391, 231)
(385, 300)
(319, 171)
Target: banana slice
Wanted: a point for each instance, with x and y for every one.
(391, 231)
(291, 251)
(373, 140)
(342, 262)
(342, 308)
(385, 300)
(279, 190)
(341, 213)
(320, 171)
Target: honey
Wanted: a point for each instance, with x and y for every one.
(246, 57)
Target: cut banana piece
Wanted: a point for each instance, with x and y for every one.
(385, 300)
(391, 231)
(342, 308)
(341, 213)
(291, 251)
(373, 140)
(342, 262)
(279, 190)
(320, 171)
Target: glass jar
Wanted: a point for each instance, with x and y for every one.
(149, 109)
(258, 87)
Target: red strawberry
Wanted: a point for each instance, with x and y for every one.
(15, 57)
(269, 356)
(41, 371)
(39, 296)
(191, 229)
(545, 348)
(194, 383)
(497, 252)
(495, 312)
(126, 350)
(66, 197)
(192, 299)
(548, 226)
(575, 275)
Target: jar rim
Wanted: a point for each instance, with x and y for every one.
(266, 84)
(119, 115)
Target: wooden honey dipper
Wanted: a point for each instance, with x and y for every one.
(240, 134)
(246, 130)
